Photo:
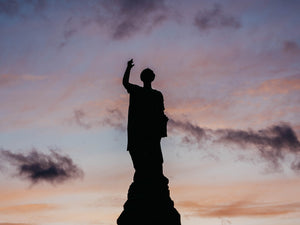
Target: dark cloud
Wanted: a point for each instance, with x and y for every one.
(39, 5)
(13, 7)
(272, 143)
(215, 18)
(121, 18)
(279, 137)
(37, 166)
(132, 16)
(79, 116)
(9, 7)
(115, 118)
(296, 164)
(291, 47)
(69, 31)
(193, 133)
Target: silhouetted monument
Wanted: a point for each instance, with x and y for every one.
(149, 201)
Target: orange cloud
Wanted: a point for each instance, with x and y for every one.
(15, 224)
(276, 86)
(239, 199)
(27, 208)
(9, 79)
(240, 208)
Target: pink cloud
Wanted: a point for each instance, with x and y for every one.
(245, 208)
(276, 86)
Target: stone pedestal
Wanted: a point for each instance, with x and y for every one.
(149, 202)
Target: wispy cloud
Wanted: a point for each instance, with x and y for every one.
(136, 16)
(276, 86)
(240, 208)
(13, 7)
(113, 118)
(70, 29)
(215, 18)
(79, 117)
(291, 47)
(16, 224)
(10, 79)
(272, 143)
(37, 166)
(193, 133)
(121, 18)
(27, 208)
(9, 7)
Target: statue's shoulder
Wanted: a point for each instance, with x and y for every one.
(156, 92)
(133, 88)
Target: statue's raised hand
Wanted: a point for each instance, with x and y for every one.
(130, 64)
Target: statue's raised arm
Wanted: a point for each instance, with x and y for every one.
(127, 73)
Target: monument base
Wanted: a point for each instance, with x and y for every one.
(149, 202)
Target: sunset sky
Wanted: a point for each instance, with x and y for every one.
(229, 71)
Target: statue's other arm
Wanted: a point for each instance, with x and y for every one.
(163, 119)
(127, 74)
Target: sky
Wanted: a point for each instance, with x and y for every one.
(229, 72)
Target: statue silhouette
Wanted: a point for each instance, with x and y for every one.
(149, 199)
(146, 122)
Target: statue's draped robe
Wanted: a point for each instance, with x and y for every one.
(146, 122)
(148, 199)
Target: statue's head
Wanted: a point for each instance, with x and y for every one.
(147, 75)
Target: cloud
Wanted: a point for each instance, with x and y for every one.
(240, 208)
(277, 137)
(215, 18)
(272, 143)
(137, 15)
(6, 79)
(39, 5)
(120, 18)
(296, 164)
(10, 79)
(79, 116)
(276, 86)
(13, 7)
(225, 221)
(193, 133)
(37, 166)
(291, 47)
(16, 224)
(113, 118)
(9, 7)
(27, 208)
(69, 31)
